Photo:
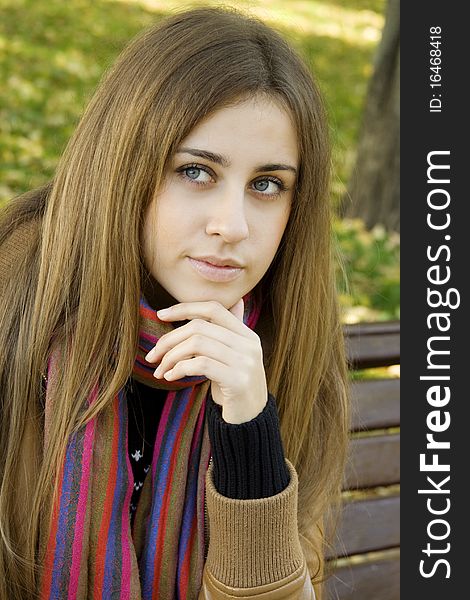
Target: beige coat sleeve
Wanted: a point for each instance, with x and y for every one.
(254, 547)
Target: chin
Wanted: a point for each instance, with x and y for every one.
(227, 299)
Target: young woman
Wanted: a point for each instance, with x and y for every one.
(196, 452)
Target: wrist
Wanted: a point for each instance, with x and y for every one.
(237, 414)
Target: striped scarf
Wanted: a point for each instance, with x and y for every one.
(91, 551)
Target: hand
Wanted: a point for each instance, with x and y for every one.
(218, 345)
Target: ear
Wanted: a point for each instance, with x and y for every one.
(238, 309)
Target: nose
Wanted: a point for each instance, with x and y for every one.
(227, 216)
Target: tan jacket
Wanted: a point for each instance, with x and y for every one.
(254, 548)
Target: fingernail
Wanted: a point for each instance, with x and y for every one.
(148, 357)
(163, 312)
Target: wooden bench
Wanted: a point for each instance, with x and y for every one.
(365, 560)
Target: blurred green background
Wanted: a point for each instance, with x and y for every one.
(53, 53)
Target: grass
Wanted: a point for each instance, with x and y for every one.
(53, 54)
(369, 280)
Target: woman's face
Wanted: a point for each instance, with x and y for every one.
(227, 195)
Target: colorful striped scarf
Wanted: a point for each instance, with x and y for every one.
(91, 551)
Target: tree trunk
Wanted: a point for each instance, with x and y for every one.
(374, 187)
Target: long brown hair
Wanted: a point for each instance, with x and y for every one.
(81, 273)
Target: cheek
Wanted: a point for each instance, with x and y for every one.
(156, 234)
(174, 227)
(272, 235)
(278, 226)
(161, 221)
(173, 214)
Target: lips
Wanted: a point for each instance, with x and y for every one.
(219, 262)
(213, 272)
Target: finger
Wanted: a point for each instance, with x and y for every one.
(238, 309)
(198, 346)
(201, 366)
(194, 327)
(211, 311)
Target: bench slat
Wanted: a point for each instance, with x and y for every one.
(369, 531)
(372, 524)
(375, 404)
(373, 461)
(373, 328)
(368, 351)
(373, 580)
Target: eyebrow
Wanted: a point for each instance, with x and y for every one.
(224, 162)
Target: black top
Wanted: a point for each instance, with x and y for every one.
(248, 459)
(145, 406)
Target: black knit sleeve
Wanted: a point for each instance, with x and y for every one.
(248, 459)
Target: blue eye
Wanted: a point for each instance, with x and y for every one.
(193, 172)
(262, 185)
